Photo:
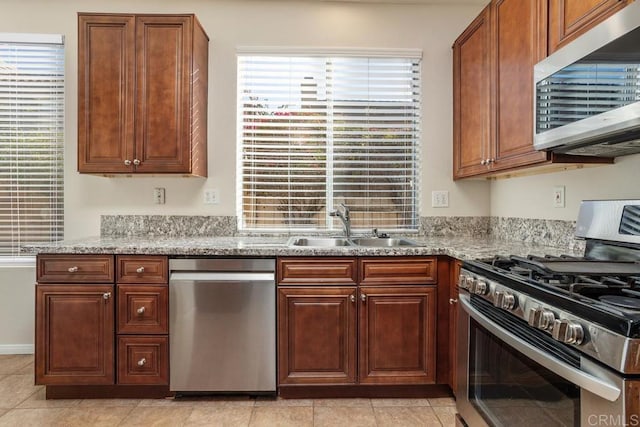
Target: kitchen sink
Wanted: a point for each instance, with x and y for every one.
(319, 241)
(383, 242)
(357, 241)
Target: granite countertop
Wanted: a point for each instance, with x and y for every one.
(456, 247)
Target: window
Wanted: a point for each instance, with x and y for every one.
(31, 140)
(317, 131)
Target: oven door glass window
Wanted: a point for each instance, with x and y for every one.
(509, 389)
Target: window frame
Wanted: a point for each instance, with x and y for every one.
(331, 225)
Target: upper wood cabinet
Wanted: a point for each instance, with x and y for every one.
(472, 97)
(493, 102)
(570, 18)
(142, 94)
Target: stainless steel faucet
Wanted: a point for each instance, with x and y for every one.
(343, 214)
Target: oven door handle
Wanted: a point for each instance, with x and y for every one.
(580, 378)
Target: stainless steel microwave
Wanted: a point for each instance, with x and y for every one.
(587, 94)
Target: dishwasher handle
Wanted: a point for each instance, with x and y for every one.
(223, 276)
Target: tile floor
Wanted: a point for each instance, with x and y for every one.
(23, 404)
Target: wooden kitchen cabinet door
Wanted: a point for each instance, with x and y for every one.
(106, 60)
(472, 101)
(520, 29)
(143, 86)
(397, 335)
(74, 334)
(317, 335)
(570, 18)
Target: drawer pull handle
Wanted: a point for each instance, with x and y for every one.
(353, 298)
(453, 301)
(142, 362)
(140, 270)
(106, 295)
(140, 311)
(363, 297)
(72, 269)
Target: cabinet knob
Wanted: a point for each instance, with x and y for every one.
(353, 298)
(483, 162)
(491, 161)
(106, 295)
(453, 301)
(72, 269)
(363, 297)
(141, 310)
(142, 362)
(136, 162)
(127, 162)
(140, 270)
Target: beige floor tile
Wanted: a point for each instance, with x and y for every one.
(13, 363)
(31, 417)
(380, 403)
(3, 411)
(283, 402)
(446, 415)
(406, 416)
(291, 416)
(101, 403)
(363, 403)
(220, 417)
(94, 417)
(14, 389)
(26, 370)
(331, 416)
(442, 401)
(38, 400)
(168, 402)
(157, 417)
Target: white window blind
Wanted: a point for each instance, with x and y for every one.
(31, 140)
(318, 131)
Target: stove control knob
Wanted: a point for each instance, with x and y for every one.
(463, 281)
(498, 298)
(541, 318)
(481, 288)
(567, 332)
(508, 301)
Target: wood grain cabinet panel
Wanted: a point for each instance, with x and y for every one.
(317, 270)
(570, 18)
(403, 271)
(142, 269)
(397, 335)
(143, 84)
(74, 269)
(74, 334)
(143, 360)
(143, 309)
(472, 124)
(317, 335)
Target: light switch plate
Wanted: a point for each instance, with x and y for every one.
(211, 197)
(440, 199)
(558, 196)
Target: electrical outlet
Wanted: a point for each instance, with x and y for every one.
(440, 199)
(158, 196)
(211, 197)
(558, 196)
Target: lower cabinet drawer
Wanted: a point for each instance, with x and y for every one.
(143, 360)
(143, 309)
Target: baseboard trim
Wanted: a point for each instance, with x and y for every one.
(16, 348)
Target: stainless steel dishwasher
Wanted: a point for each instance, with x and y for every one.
(222, 325)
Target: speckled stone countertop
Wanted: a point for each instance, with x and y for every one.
(456, 247)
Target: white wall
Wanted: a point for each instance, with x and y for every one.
(532, 196)
(230, 24)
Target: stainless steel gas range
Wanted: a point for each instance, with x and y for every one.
(555, 341)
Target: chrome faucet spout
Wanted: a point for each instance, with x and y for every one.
(343, 213)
